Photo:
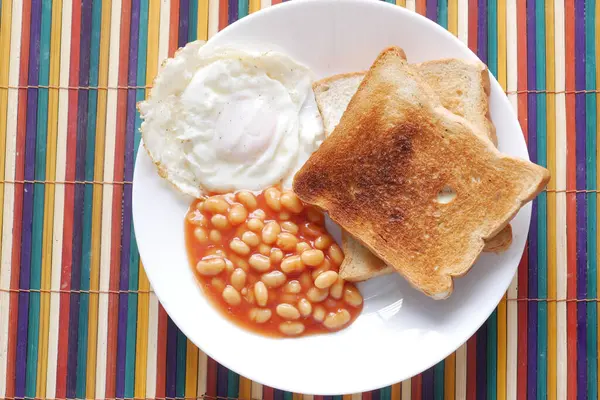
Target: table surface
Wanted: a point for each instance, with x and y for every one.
(78, 318)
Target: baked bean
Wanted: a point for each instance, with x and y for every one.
(218, 284)
(325, 266)
(302, 247)
(215, 236)
(336, 290)
(290, 328)
(231, 296)
(304, 307)
(287, 311)
(238, 278)
(336, 254)
(352, 296)
(216, 205)
(214, 252)
(292, 264)
(229, 267)
(317, 295)
(264, 249)
(312, 257)
(315, 215)
(247, 199)
(239, 247)
(255, 224)
(261, 294)
(323, 242)
(197, 219)
(326, 279)
(220, 222)
(319, 313)
(284, 216)
(258, 214)
(237, 214)
(270, 232)
(250, 238)
(290, 201)
(312, 230)
(286, 241)
(272, 198)
(305, 280)
(337, 320)
(249, 296)
(260, 315)
(276, 255)
(201, 235)
(211, 266)
(239, 262)
(292, 287)
(200, 206)
(260, 262)
(273, 279)
(289, 226)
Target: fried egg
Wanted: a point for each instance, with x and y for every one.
(230, 119)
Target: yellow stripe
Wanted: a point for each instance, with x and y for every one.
(203, 20)
(245, 391)
(401, 3)
(551, 151)
(449, 377)
(191, 370)
(453, 17)
(5, 25)
(396, 391)
(144, 285)
(97, 201)
(254, 6)
(49, 200)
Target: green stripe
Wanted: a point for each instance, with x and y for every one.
(134, 258)
(37, 228)
(288, 396)
(180, 364)
(391, 1)
(443, 13)
(243, 8)
(385, 393)
(492, 322)
(542, 331)
(90, 151)
(592, 288)
(193, 21)
(438, 381)
(233, 384)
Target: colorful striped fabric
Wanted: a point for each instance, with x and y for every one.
(78, 318)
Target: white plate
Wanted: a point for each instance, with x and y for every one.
(401, 332)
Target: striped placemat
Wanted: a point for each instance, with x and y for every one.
(78, 318)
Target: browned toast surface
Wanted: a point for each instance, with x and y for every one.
(387, 170)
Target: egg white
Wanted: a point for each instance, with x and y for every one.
(230, 119)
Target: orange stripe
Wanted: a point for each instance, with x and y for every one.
(161, 352)
(421, 8)
(473, 25)
(173, 27)
(223, 10)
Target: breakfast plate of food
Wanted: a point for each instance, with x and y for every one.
(332, 197)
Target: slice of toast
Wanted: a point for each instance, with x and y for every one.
(464, 90)
(413, 182)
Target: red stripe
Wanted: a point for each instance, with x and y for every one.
(416, 387)
(223, 16)
(267, 393)
(522, 312)
(472, 367)
(18, 210)
(161, 352)
(211, 377)
(174, 27)
(421, 7)
(113, 299)
(273, 2)
(65, 278)
(365, 396)
(571, 202)
(473, 25)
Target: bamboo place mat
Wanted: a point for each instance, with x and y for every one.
(77, 316)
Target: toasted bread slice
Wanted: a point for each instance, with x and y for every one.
(463, 88)
(413, 182)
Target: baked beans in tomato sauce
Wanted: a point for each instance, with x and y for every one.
(267, 262)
